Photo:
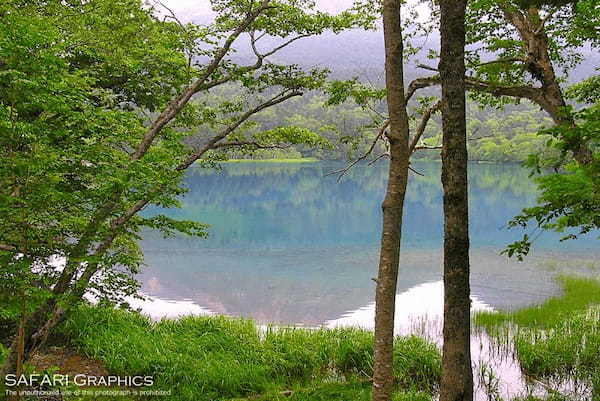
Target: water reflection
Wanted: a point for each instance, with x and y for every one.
(289, 244)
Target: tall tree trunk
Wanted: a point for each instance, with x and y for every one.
(457, 374)
(393, 204)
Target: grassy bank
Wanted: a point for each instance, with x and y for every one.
(219, 358)
(578, 294)
(559, 339)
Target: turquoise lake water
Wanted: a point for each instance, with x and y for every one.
(289, 244)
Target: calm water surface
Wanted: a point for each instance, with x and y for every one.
(289, 244)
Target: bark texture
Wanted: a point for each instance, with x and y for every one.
(393, 204)
(457, 374)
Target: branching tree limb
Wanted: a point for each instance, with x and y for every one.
(345, 170)
(413, 146)
(177, 104)
(422, 125)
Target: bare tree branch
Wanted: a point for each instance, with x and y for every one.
(501, 61)
(521, 91)
(345, 170)
(422, 125)
(415, 171)
(427, 67)
(518, 91)
(420, 83)
(281, 97)
(381, 156)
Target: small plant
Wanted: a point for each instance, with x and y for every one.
(489, 381)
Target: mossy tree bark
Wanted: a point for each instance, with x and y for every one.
(457, 375)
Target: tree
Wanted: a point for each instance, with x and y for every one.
(568, 200)
(112, 86)
(393, 204)
(518, 47)
(396, 135)
(457, 373)
(524, 50)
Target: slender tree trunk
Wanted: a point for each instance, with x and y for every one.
(35, 330)
(457, 374)
(393, 204)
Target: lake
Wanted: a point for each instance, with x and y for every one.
(290, 245)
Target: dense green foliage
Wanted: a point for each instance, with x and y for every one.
(569, 200)
(67, 125)
(95, 117)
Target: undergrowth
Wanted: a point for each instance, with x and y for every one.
(209, 358)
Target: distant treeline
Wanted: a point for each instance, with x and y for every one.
(509, 134)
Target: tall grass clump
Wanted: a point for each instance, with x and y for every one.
(578, 294)
(354, 353)
(570, 349)
(216, 358)
(417, 364)
(297, 354)
(197, 358)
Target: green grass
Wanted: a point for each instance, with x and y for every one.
(571, 349)
(350, 391)
(578, 294)
(3, 352)
(218, 358)
(558, 339)
(297, 160)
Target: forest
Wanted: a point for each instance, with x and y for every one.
(296, 199)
